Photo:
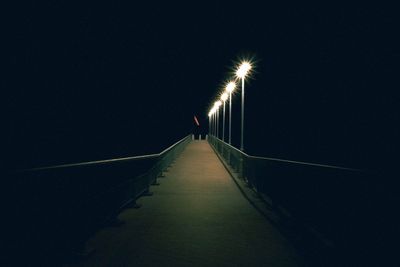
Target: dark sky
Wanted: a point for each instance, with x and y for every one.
(103, 80)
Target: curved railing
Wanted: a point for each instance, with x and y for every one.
(61, 205)
(330, 201)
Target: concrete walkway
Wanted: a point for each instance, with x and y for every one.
(196, 217)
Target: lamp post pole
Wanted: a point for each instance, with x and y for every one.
(214, 121)
(217, 122)
(230, 116)
(216, 106)
(242, 124)
(224, 97)
(210, 123)
(229, 89)
(241, 73)
(223, 124)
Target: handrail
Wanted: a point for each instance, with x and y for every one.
(148, 156)
(314, 196)
(307, 163)
(289, 161)
(79, 198)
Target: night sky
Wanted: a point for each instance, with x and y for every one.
(104, 80)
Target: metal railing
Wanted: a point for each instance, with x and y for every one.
(66, 203)
(329, 199)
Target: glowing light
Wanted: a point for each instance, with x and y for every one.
(230, 87)
(224, 97)
(213, 110)
(243, 69)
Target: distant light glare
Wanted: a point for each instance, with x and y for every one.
(224, 97)
(243, 69)
(230, 87)
(217, 104)
(212, 111)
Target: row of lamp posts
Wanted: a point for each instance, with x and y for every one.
(242, 71)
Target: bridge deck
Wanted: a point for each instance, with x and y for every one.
(196, 217)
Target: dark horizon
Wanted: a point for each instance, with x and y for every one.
(112, 80)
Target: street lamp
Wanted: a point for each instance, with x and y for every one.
(212, 111)
(229, 89)
(241, 73)
(209, 122)
(224, 97)
(217, 104)
(214, 122)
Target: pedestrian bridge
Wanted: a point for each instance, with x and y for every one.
(196, 217)
(197, 203)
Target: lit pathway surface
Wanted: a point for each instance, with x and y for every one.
(196, 217)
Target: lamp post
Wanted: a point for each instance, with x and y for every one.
(224, 97)
(209, 122)
(217, 110)
(217, 105)
(214, 122)
(229, 88)
(241, 73)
